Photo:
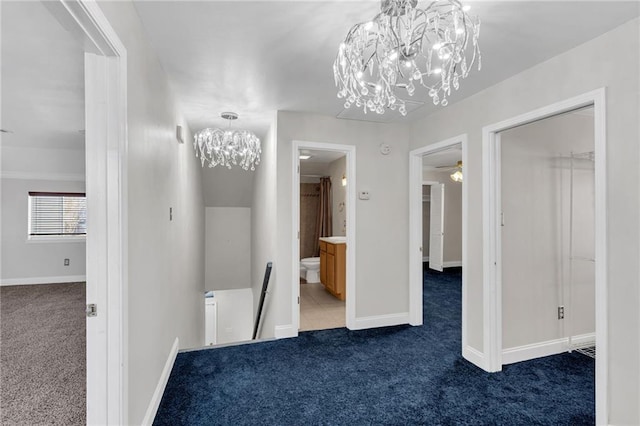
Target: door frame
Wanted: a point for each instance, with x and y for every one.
(492, 251)
(106, 188)
(350, 152)
(415, 231)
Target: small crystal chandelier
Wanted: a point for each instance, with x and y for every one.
(228, 147)
(402, 47)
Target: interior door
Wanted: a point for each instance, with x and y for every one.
(436, 237)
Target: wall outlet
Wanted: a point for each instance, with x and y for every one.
(66, 262)
(363, 195)
(560, 312)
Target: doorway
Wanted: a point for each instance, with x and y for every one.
(431, 171)
(493, 220)
(547, 236)
(323, 214)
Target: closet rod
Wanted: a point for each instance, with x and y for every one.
(314, 176)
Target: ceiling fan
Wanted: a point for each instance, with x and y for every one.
(456, 176)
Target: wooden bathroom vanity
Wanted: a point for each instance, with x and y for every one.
(333, 265)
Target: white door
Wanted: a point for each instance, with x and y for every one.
(436, 227)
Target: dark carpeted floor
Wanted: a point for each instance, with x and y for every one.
(42, 354)
(393, 376)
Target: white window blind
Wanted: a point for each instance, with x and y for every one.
(57, 214)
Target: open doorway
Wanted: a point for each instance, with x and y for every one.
(102, 57)
(548, 236)
(324, 245)
(438, 202)
(492, 229)
(44, 220)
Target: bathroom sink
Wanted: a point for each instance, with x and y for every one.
(334, 240)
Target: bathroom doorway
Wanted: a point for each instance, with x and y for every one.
(323, 287)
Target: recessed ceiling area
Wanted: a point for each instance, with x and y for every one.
(42, 79)
(256, 57)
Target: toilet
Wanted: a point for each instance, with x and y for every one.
(312, 267)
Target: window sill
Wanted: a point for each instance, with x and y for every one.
(56, 239)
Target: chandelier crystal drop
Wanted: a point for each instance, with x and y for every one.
(227, 147)
(404, 47)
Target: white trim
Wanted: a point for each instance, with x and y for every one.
(350, 152)
(43, 280)
(538, 350)
(285, 331)
(415, 229)
(152, 408)
(106, 184)
(377, 321)
(452, 264)
(67, 177)
(425, 258)
(492, 286)
(46, 239)
(473, 355)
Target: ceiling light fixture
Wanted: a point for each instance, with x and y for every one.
(304, 156)
(405, 46)
(228, 147)
(457, 175)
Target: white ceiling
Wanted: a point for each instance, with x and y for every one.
(445, 158)
(255, 57)
(42, 79)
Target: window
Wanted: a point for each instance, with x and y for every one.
(57, 214)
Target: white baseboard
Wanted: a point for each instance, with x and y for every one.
(152, 409)
(381, 321)
(474, 356)
(538, 350)
(43, 280)
(452, 264)
(284, 331)
(425, 259)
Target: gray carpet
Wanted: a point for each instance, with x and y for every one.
(42, 354)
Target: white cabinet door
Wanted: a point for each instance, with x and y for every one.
(436, 238)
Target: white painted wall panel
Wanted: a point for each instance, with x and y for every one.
(227, 248)
(264, 226)
(234, 315)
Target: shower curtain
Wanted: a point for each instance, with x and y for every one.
(324, 220)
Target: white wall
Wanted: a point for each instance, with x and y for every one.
(337, 169)
(381, 222)
(234, 320)
(46, 170)
(610, 61)
(536, 195)
(227, 187)
(165, 258)
(452, 216)
(227, 248)
(264, 228)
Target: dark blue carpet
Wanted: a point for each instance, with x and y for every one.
(393, 376)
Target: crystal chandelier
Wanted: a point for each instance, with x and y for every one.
(402, 47)
(228, 147)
